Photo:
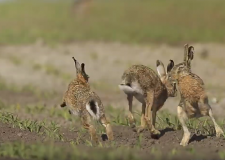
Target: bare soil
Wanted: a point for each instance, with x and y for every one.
(204, 147)
(9, 133)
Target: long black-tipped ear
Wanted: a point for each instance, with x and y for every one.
(77, 64)
(170, 66)
(83, 67)
(83, 71)
(190, 53)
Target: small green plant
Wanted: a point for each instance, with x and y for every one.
(88, 143)
(191, 150)
(52, 130)
(139, 140)
(15, 60)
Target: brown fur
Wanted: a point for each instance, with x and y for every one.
(194, 100)
(148, 81)
(78, 95)
(191, 88)
(153, 89)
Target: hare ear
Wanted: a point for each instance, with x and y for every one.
(185, 52)
(83, 67)
(77, 65)
(190, 56)
(160, 68)
(170, 66)
(190, 53)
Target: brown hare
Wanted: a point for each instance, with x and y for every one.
(85, 103)
(194, 100)
(148, 88)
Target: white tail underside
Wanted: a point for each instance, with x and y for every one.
(94, 116)
(135, 90)
(126, 89)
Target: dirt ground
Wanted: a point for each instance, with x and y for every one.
(50, 68)
(203, 147)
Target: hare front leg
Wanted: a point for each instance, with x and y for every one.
(182, 116)
(63, 104)
(130, 117)
(108, 128)
(86, 122)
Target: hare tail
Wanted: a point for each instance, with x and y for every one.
(93, 109)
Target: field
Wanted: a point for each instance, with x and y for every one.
(171, 22)
(38, 40)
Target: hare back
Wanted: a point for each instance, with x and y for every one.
(141, 78)
(87, 101)
(76, 94)
(191, 87)
(76, 83)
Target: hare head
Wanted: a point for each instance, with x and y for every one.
(183, 68)
(80, 69)
(170, 86)
(177, 71)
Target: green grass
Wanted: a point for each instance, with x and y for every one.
(165, 119)
(50, 130)
(173, 22)
(52, 152)
(117, 116)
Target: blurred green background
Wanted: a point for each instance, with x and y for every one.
(129, 21)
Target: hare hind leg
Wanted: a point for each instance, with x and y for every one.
(182, 116)
(130, 117)
(141, 128)
(108, 128)
(86, 122)
(219, 130)
(206, 110)
(150, 109)
(154, 131)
